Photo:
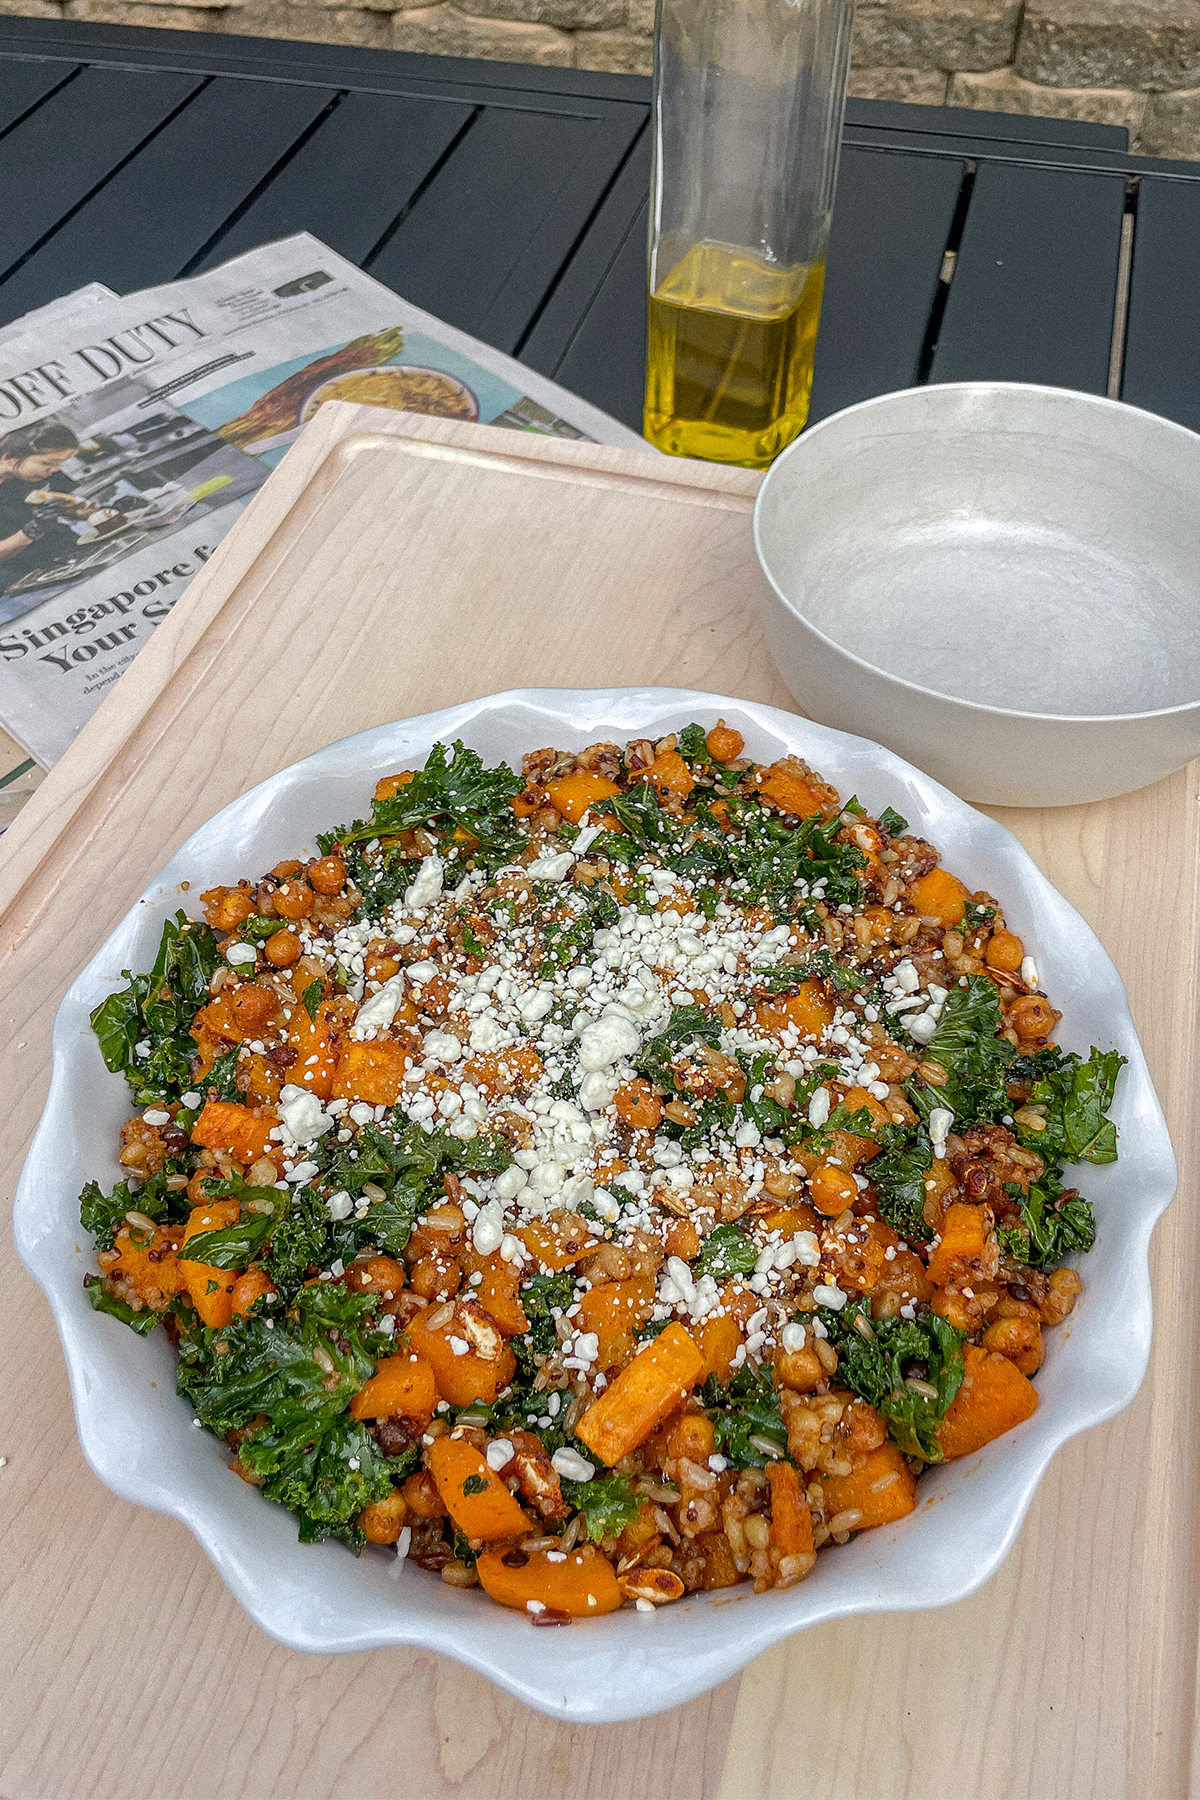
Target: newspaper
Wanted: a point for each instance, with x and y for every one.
(135, 429)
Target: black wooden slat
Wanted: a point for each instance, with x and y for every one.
(605, 360)
(1162, 338)
(352, 177)
(962, 121)
(214, 152)
(23, 84)
(1034, 287)
(566, 310)
(891, 221)
(56, 156)
(489, 235)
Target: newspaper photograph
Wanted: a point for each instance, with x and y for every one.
(134, 429)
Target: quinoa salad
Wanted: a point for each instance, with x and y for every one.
(603, 1182)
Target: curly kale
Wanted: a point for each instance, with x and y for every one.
(743, 1411)
(975, 1059)
(155, 1011)
(909, 1370)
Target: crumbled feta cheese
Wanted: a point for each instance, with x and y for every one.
(818, 1108)
(498, 1454)
(339, 1205)
(606, 1042)
(571, 1466)
(381, 1008)
(239, 956)
(551, 868)
(428, 884)
(940, 1121)
(303, 1115)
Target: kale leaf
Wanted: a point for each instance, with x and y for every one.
(538, 1295)
(726, 1251)
(743, 1410)
(898, 1176)
(235, 1246)
(1077, 1097)
(606, 1503)
(142, 1322)
(975, 1059)
(157, 1009)
(103, 1214)
(300, 1369)
(1050, 1227)
(454, 791)
(222, 1077)
(877, 1360)
(686, 1024)
(891, 822)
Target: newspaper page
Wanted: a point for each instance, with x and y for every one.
(135, 429)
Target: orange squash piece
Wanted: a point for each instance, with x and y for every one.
(389, 785)
(882, 1490)
(809, 1010)
(614, 1311)
(791, 1521)
(498, 1291)
(240, 1132)
(646, 1392)
(156, 1281)
(474, 1495)
(558, 1240)
(574, 795)
(941, 896)
(211, 1289)
(993, 1398)
(460, 1379)
(720, 1338)
(372, 1072)
(402, 1386)
(583, 1587)
(670, 776)
(787, 789)
(963, 1246)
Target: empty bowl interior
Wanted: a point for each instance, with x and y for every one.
(1020, 547)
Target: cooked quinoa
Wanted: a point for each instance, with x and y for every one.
(599, 1183)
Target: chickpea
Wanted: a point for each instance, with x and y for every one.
(422, 1498)
(433, 1278)
(1005, 951)
(383, 1522)
(294, 900)
(833, 1190)
(1018, 1339)
(638, 1105)
(1065, 1288)
(327, 876)
(799, 1370)
(282, 870)
(682, 1239)
(1033, 1017)
(227, 908)
(282, 949)
(248, 1288)
(724, 743)
(253, 1007)
(376, 1275)
(693, 1437)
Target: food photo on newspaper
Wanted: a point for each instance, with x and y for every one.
(134, 430)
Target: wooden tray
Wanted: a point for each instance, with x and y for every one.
(392, 565)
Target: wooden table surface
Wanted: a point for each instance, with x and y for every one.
(127, 1670)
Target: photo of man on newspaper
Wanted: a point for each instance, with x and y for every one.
(81, 489)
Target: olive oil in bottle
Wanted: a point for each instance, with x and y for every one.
(730, 355)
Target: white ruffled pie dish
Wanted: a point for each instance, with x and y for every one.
(139, 1438)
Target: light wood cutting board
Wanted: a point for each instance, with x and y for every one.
(392, 565)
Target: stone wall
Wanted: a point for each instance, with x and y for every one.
(1119, 62)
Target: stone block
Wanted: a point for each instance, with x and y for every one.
(170, 18)
(568, 15)
(615, 52)
(309, 24)
(1172, 125)
(639, 17)
(1110, 43)
(32, 9)
(1002, 91)
(445, 31)
(936, 34)
(917, 87)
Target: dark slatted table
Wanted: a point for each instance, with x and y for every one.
(511, 200)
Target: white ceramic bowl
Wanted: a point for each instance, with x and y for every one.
(999, 581)
(139, 1439)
